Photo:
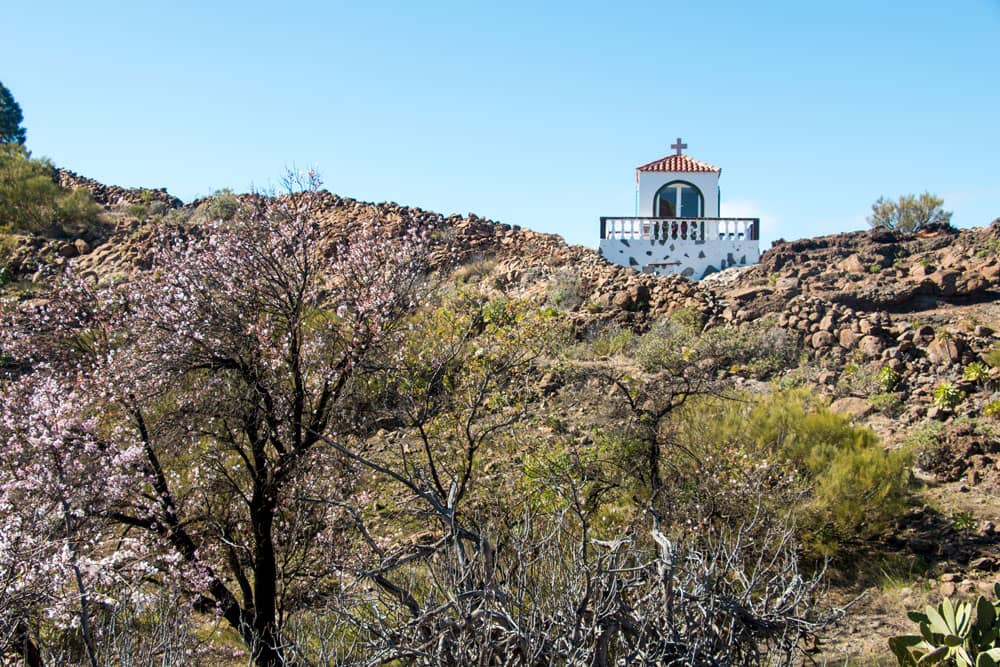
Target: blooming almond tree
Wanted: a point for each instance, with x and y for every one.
(221, 370)
(56, 476)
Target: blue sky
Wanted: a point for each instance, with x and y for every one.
(530, 113)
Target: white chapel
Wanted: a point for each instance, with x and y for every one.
(677, 227)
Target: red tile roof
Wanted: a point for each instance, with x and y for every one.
(678, 163)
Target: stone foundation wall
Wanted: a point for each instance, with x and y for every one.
(691, 259)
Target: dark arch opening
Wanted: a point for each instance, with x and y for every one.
(678, 199)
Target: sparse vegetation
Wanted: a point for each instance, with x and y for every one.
(565, 290)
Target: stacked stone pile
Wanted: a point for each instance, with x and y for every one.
(871, 270)
(113, 196)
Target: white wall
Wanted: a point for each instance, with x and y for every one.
(706, 181)
(691, 259)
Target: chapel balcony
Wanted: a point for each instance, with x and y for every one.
(680, 229)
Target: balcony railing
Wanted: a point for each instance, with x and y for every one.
(681, 229)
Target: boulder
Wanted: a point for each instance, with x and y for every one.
(871, 346)
(944, 351)
(822, 339)
(848, 339)
(851, 407)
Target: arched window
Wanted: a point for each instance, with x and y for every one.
(678, 199)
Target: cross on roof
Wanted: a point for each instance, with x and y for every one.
(679, 146)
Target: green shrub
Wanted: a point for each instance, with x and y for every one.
(475, 271)
(909, 213)
(990, 248)
(32, 202)
(888, 378)
(565, 290)
(977, 372)
(993, 356)
(757, 349)
(223, 205)
(992, 409)
(947, 396)
(851, 488)
(963, 522)
(611, 341)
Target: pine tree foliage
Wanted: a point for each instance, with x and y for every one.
(11, 131)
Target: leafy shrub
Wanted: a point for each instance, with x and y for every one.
(850, 488)
(611, 341)
(223, 205)
(565, 290)
(990, 248)
(924, 436)
(31, 200)
(909, 213)
(977, 372)
(964, 521)
(954, 633)
(473, 272)
(992, 409)
(888, 378)
(757, 349)
(947, 396)
(993, 356)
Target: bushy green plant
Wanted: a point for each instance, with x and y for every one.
(474, 271)
(993, 356)
(977, 372)
(888, 378)
(989, 248)
(852, 488)
(565, 290)
(964, 521)
(31, 200)
(223, 205)
(947, 396)
(611, 341)
(992, 409)
(909, 213)
(953, 633)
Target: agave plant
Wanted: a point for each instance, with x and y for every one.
(953, 633)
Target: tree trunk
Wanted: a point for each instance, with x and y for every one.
(266, 651)
(29, 651)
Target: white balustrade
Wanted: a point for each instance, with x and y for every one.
(680, 229)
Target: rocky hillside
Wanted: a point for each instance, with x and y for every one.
(900, 332)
